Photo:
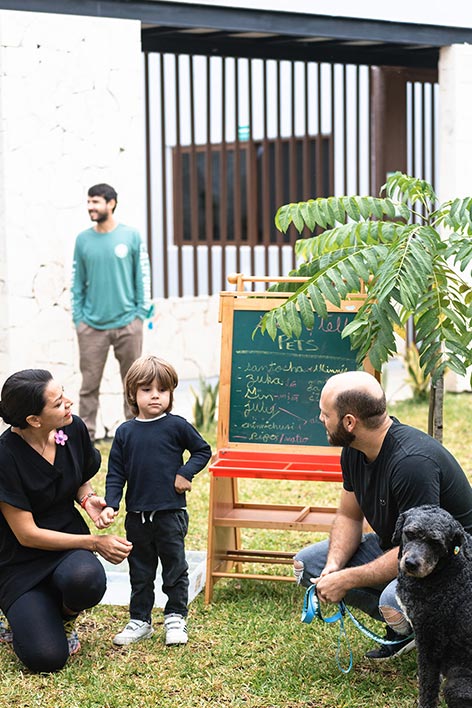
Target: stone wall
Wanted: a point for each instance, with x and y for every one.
(72, 115)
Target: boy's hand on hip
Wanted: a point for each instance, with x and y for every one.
(182, 484)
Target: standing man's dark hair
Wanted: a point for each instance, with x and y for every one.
(111, 284)
(104, 190)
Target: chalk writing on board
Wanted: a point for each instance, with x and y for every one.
(276, 384)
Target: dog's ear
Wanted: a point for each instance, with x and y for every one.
(397, 534)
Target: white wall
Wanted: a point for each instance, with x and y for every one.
(72, 115)
(455, 119)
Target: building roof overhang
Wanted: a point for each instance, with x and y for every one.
(224, 31)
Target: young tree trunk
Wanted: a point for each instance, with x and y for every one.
(436, 406)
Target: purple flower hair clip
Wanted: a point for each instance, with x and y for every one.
(60, 437)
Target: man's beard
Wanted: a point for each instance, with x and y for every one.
(98, 217)
(340, 437)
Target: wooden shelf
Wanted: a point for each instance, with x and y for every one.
(227, 515)
(231, 462)
(272, 516)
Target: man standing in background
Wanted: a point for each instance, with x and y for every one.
(110, 297)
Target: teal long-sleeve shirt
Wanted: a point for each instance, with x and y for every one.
(110, 278)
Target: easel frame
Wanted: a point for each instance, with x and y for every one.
(236, 460)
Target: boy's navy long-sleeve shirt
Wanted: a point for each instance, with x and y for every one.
(146, 456)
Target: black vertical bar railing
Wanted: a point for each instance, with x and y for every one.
(278, 177)
(251, 174)
(147, 128)
(164, 180)
(178, 191)
(194, 206)
(266, 222)
(237, 235)
(209, 222)
(223, 179)
(333, 133)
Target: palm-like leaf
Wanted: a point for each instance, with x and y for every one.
(337, 210)
(399, 257)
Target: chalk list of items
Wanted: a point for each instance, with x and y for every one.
(276, 384)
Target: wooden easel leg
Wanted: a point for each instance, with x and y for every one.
(221, 539)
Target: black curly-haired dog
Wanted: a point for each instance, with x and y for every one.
(435, 589)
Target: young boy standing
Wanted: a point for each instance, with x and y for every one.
(147, 457)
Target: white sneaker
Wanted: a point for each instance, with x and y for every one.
(135, 631)
(176, 629)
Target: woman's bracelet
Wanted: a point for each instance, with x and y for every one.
(83, 500)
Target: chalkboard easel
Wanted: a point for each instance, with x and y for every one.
(268, 424)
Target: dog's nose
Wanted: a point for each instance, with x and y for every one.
(410, 564)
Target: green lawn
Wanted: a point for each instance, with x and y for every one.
(248, 648)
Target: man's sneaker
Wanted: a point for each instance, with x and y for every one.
(73, 642)
(176, 629)
(72, 636)
(135, 631)
(6, 635)
(388, 651)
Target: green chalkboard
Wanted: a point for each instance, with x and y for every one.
(276, 384)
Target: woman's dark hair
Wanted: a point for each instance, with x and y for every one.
(23, 395)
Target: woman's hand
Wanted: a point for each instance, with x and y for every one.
(94, 507)
(113, 548)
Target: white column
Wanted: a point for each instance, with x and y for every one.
(455, 139)
(455, 121)
(71, 115)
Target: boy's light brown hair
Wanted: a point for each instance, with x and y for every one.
(143, 372)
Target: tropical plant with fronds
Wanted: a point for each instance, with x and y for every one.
(407, 254)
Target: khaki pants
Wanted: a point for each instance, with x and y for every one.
(94, 345)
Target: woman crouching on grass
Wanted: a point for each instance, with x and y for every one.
(48, 566)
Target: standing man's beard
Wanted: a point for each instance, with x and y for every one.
(98, 217)
(340, 437)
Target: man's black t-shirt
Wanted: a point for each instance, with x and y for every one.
(411, 469)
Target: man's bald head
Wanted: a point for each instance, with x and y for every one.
(357, 393)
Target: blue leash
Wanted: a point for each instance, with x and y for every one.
(312, 609)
